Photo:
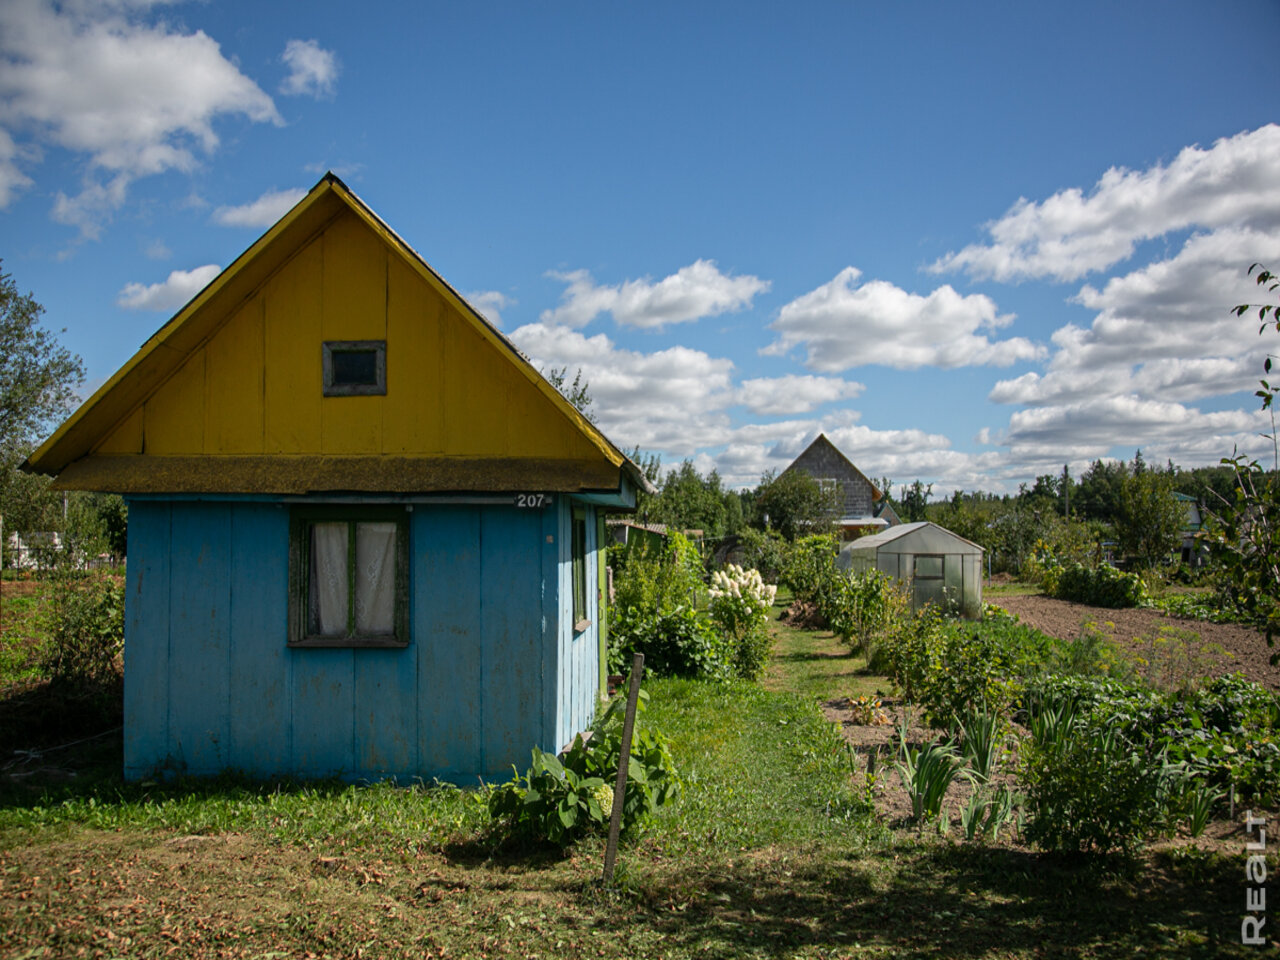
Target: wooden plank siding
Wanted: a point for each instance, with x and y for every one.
(253, 387)
(211, 684)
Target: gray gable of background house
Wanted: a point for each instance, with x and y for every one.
(822, 461)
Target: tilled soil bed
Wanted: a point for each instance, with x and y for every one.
(1246, 648)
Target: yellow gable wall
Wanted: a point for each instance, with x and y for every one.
(255, 386)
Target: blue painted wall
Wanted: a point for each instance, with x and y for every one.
(493, 667)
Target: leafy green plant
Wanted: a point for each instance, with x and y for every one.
(739, 606)
(563, 799)
(861, 607)
(1100, 586)
(981, 734)
(926, 774)
(84, 624)
(987, 813)
(1200, 800)
(1089, 787)
(678, 642)
(811, 567)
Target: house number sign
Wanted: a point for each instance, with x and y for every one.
(533, 501)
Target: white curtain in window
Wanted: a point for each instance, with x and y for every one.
(327, 603)
(375, 579)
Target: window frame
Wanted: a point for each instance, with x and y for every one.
(376, 389)
(942, 566)
(301, 520)
(578, 568)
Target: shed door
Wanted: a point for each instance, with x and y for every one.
(928, 580)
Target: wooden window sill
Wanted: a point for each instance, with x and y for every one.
(581, 625)
(332, 642)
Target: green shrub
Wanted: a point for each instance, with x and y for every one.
(84, 625)
(1089, 787)
(926, 774)
(1100, 586)
(811, 567)
(563, 799)
(680, 642)
(763, 550)
(739, 605)
(657, 579)
(861, 607)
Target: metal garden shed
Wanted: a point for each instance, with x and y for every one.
(938, 566)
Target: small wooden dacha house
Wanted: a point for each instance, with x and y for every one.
(936, 565)
(364, 532)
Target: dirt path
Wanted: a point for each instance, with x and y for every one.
(1246, 648)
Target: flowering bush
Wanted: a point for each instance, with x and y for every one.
(740, 602)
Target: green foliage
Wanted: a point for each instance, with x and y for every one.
(1099, 586)
(1149, 518)
(987, 812)
(1090, 787)
(811, 567)
(981, 734)
(915, 501)
(85, 629)
(740, 604)
(862, 607)
(562, 800)
(678, 642)
(1244, 542)
(926, 774)
(764, 550)
(656, 579)
(795, 504)
(577, 393)
(38, 378)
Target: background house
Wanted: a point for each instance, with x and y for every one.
(858, 496)
(363, 531)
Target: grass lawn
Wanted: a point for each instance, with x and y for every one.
(772, 852)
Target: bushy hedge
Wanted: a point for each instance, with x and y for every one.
(1098, 586)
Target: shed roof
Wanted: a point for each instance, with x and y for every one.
(130, 437)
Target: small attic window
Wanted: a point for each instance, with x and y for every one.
(354, 368)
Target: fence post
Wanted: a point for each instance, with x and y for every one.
(624, 758)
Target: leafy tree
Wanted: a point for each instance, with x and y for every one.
(1149, 520)
(1244, 531)
(38, 380)
(915, 501)
(1097, 496)
(577, 393)
(795, 504)
(690, 502)
(38, 377)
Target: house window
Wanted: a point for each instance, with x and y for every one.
(579, 548)
(349, 574)
(354, 368)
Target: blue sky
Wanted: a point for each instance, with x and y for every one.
(970, 242)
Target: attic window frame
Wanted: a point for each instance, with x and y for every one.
(376, 389)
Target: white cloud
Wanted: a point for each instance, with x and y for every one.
(263, 212)
(490, 303)
(1235, 182)
(12, 180)
(794, 393)
(844, 324)
(136, 99)
(313, 71)
(698, 290)
(158, 250)
(171, 294)
(1164, 331)
(672, 400)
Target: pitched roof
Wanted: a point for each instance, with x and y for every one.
(75, 451)
(821, 441)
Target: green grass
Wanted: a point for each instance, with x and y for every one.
(19, 636)
(1013, 589)
(770, 853)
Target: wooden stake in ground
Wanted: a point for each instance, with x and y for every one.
(624, 758)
